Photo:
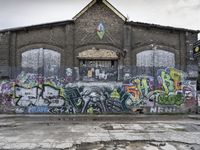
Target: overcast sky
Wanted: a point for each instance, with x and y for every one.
(177, 13)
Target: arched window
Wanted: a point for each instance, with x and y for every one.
(155, 58)
(43, 61)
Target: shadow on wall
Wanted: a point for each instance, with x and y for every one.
(168, 91)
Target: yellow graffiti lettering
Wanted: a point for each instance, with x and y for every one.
(176, 75)
(167, 82)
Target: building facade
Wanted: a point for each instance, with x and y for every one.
(99, 45)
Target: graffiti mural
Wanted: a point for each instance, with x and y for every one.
(6, 90)
(36, 96)
(190, 94)
(198, 99)
(167, 92)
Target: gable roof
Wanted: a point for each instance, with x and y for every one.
(117, 12)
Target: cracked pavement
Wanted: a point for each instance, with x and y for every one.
(76, 132)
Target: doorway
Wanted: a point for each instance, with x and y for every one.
(98, 70)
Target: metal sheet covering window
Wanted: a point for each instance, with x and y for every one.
(155, 58)
(42, 61)
(148, 61)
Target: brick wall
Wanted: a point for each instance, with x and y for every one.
(70, 39)
(4, 54)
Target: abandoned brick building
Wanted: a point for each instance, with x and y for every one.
(43, 66)
(99, 35)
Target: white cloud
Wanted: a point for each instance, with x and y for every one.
(178, 13)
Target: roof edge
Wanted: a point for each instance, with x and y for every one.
(159, 26)
(84, 9)
(50, 24)
(115, 10)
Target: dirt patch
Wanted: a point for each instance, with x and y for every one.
(137, 145)
(107, 126)
(8, 125)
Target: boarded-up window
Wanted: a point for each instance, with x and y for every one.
(43, 61)
(155, 58)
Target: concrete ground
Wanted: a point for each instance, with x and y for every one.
(108, 132)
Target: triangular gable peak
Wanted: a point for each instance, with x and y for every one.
(104, 2)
